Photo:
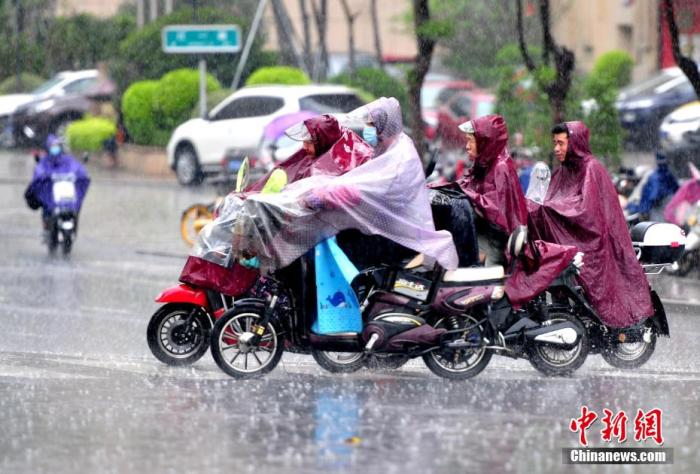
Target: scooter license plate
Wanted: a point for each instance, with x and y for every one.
(63, 191)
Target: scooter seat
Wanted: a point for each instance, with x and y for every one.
(474, 274)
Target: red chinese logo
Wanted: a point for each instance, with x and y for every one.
(615, 426)
(648, 425)
(582, 423)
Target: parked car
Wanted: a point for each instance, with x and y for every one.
(679, 137)
(436, 92)
(197, 146)
(643, 106)
(48, 108)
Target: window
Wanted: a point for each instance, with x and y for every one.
(330, 103)
(245, 107)
(461, 106)
(80, 86)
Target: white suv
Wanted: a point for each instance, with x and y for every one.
(198, 146)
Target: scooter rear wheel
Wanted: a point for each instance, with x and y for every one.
(555, 361)
(459, 364)
(339, 362)
(628, 355)
(171, 341)
(237, 357)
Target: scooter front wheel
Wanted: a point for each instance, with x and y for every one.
(176, 336)
(234, 348)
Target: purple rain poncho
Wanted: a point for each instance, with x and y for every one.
(385, 196)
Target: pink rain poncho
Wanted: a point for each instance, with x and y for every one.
(581, 208)
(385, 196)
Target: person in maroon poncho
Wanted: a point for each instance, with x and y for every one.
(492, 186)
(327, 149)
(581, 208)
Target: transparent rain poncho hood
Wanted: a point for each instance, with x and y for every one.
(540, 176)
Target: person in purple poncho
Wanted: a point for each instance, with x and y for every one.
(55, 163)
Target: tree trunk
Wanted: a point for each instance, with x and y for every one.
(153, 10)
(307, 33)
(18, 56)
(350, 18)
(564, 61)
(321, 18)
(426, 46)
(285, 35)
(687, 65)
(140, 13)
(377, 35)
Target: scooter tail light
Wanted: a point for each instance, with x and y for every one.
(498, 293)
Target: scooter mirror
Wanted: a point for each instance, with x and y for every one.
(243, 175)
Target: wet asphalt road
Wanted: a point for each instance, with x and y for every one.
(80, 392)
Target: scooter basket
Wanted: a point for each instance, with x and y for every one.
(657, 242)
(233, 281)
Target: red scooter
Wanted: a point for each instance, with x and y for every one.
(178, 332)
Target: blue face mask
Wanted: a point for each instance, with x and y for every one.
(369, 134)
(55, 150)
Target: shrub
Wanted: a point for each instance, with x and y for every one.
(278, 75)
(29, 83)
(375, 82)
(614, 67)
(88, 134)
(177, 93)
(138, 111)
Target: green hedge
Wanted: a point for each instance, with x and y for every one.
(377, 83)
(153, 109)
(177, 93)
(89, 134)
(139, 113)
(278, 75)
(29, 83)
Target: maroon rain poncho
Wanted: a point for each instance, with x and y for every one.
(492, 184)
(338, 150)
(581, 208)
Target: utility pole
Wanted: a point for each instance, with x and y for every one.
(168, 7)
